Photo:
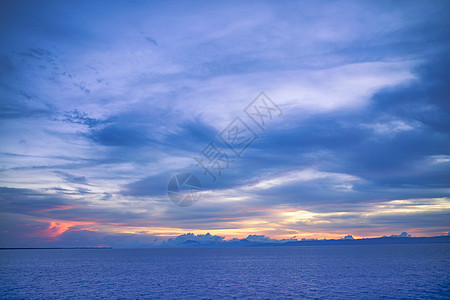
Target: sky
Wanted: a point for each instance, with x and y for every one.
(298, 119)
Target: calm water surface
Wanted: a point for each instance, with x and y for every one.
(338, 272)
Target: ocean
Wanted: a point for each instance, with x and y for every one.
(308, 272)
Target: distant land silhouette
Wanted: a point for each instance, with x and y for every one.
(191, 241)
(331, 242)
(43, 248)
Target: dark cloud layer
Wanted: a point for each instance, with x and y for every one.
(98, 113)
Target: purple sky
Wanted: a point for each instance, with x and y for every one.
(102, 103)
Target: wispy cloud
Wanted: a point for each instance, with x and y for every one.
(98, 113)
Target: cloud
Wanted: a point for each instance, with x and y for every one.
(73, 179)
(403, 234)
(98, 113)
(82, 118)
(189, 238)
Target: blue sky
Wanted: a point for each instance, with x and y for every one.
(102, 103)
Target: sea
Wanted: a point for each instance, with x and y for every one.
(297, 272)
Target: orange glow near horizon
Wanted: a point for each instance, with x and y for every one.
(275, 223)
(56, 228)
